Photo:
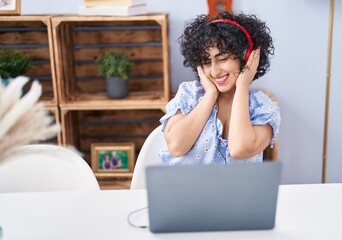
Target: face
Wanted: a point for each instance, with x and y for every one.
(222, 69)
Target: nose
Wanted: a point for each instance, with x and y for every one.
(215, 70)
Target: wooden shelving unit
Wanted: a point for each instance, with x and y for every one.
(64, 49)
(87, 114)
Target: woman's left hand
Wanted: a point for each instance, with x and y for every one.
(249, 70)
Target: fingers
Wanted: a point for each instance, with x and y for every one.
(253, 61)
(249, 70)
(256, 58)
(201, 74)
(200, 71)
(245, 68)
(207, 84)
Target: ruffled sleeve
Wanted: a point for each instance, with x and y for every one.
(186, 99)
(263, 111)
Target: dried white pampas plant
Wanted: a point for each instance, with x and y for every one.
(22, 119)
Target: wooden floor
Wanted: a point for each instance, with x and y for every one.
(112, 184)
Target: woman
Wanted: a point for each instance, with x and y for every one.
(218, 119)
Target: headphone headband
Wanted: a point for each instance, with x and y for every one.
(248, 36)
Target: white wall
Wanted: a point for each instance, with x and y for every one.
(297, 76)
(297, 80)
(334, 160)
(49, 6)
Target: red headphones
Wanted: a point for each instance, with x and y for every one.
(248, 36)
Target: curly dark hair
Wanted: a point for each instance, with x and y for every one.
(199, 35)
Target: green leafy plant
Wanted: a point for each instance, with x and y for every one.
(13, 64)
(113, 64)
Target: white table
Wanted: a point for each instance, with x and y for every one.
(303, 212)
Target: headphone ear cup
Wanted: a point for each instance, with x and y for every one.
(218, 6)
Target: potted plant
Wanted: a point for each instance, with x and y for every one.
(13, 64)
(116, 68)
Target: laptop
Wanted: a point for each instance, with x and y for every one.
(214, 197)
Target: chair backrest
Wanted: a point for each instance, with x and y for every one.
(148, 156)
(43, 167)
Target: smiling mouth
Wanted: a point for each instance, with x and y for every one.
(221, 80)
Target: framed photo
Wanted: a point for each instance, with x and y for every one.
(10, 7)
(113, 159)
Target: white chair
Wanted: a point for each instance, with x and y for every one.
(148, 156)
(43, 167)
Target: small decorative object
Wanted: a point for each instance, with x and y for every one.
(115, 67)
(218, 6)
(22, 119)
(10, 7)
(13, 64)
(113, 159)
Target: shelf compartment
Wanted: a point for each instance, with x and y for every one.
(32, 35)
(81, 40)
(82, 128)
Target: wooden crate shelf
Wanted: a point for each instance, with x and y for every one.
(65, 49)
(32, 35)
(79, 42)
(82, 128)
(87, 114)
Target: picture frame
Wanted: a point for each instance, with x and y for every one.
(10, 7)
(113, 159)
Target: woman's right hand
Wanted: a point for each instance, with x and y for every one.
(208, 86)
